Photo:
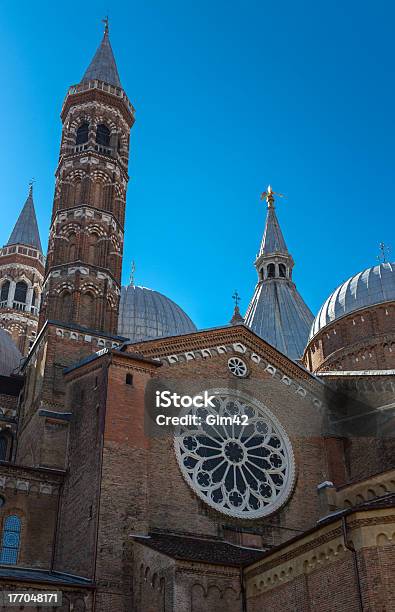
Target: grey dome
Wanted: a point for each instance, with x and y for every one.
(10, 357)
(375, 285)
(146, 314)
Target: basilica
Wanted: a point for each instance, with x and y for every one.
(288, 505)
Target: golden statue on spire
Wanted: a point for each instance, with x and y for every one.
(269, 194)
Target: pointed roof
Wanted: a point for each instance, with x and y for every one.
(26, 229)
(277, 312)
(236, 318)
(103, 66)
(273, 239)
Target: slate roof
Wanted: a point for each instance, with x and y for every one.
(201, 550)
(103, 66)
(273, 239)
(278, 314)
(26, 229)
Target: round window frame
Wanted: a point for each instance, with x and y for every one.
(247, 371)
(287, 490)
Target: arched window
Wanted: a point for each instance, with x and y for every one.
(4, 291)
(103, 135)
(4, 447)
(86, 309)
(282, 270)
(77, 189)
(72, 255)
(20, 292)
(10, 540)
(65, 306)
(93, 249)
(82, 134)
(271, 270)
(129, 379)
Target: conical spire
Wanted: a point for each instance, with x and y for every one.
(273, 239)
(103, 66)
(26, 229)
(277, 312)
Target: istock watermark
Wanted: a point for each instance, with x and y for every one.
(166, 399)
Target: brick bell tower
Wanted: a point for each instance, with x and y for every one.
(21, 277)
(83, 269)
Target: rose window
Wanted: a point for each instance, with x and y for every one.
(242, 465)
(237, 366)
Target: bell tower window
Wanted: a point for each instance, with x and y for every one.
(282, 270)
(20, 292)
(103, 135)
(82, 134)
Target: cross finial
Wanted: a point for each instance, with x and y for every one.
(384, 252)
(106, 24)
(236, 298)
(31, 183)
(269, 194)
(132, 271)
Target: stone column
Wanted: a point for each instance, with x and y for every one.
(11, 294)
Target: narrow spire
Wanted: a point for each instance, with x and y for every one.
(103, 66)
(26, 228)
(236, 318)
(273, 239)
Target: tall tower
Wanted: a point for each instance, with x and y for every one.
(277, 311)
(21, 278)
(83, 272)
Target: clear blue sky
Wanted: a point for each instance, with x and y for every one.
(229, 96)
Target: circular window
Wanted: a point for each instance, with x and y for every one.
(237, 366)
(242, 466)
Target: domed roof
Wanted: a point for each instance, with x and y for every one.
(146, 314)
(10, 357)
(367, 288)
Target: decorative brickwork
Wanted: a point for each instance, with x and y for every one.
(21, 266)
(363, 340)
(84, 261)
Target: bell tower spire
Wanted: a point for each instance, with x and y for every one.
(83, 273)
(103, 66)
